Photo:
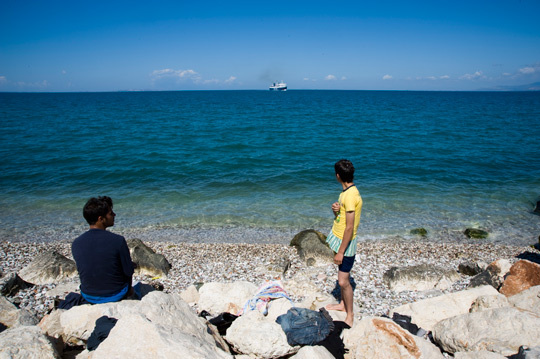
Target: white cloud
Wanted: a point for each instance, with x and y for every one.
(387, 77)
(330, 78)
(64, 72)
(3, 80)
(444, 77)
(230, 80)
(177, 74)
(343, 78)
(431, 78)
(476, 75)
(527, 70)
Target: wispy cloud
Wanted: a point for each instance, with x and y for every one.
(527, 70)
(474, 76)
(387, 77)
(189, 75)
(330, 78)
(230, 80)
(3, 80)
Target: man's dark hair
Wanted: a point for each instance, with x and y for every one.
(96, 207)
(345, 170)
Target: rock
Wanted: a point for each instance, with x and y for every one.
(11, 283)
(422, 232)
(523, 275)
(148, 262)
(482, 354)
(217, 298)
(26, 342)
(49, 267)
(63, 289)
(136, 336)
(313, 352)
(311, 244)
(251, 334)
(527, 353)
(11, 316)
(493, 275)
(427, 312)
(190, 295)
(420, 277)
(278, 307)
(529, 299)
(485, 302)
(472, 268)
(476, 233)
(375, 337)
(500, 330)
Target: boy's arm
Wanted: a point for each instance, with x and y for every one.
(347, 237)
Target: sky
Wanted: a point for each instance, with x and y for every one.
(454, 45)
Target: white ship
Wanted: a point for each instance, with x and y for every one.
(278, 86)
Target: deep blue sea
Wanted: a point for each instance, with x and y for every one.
(257, 166)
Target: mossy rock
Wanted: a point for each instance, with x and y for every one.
(476, 233)
(419, 232)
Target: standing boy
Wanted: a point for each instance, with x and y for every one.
(342, 239)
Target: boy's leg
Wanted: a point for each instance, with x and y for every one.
(347, 296)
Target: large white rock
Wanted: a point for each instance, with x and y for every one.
(253, 335)
(528, 299)
(420, 277)
(485, 302)
(313, 352)
(278, 307)
(190, 294)
(483, 354)
(26, 342)
(500, 330)
(376, 337)
(427, 312)
(11, 316)
(49, 267)
(136, 336)
(217, 298)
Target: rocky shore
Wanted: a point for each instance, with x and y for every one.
(380, 287)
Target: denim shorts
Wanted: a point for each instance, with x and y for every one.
(347, 264)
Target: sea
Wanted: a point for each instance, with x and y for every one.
(258, 166)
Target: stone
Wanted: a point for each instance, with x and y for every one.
(476, 233)
(523, 275)
(11, 283)
(528, 299)
(313, 352)
(311, 244)
(278, 307)
(49, 267)
(420, 277)
(61, 290)
(422, 232)
(26, 342)
(217, 297)
(148, 262)
(481, 354)
(427, 312)
(253, 335)
(500, 330)
(136, 336)
(376, 337)
(493, 275)
(485, 302)
(11, 316)
(190, 294)
(527, 353)
(472, 268)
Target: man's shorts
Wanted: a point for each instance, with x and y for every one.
(347, 264)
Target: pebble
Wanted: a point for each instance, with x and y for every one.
(225, 262)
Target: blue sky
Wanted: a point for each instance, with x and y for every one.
(206, 45)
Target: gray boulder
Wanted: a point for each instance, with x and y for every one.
(11, 283)
(11, 316)
(482, 354)
(493, 275)
(49, 267)
(476, 233)
(420, 277)
(528, 299)
(312, 247)
(26, 342)
(148, 262)
(472, 268)
(500, 330)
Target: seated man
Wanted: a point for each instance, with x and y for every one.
(102, 258)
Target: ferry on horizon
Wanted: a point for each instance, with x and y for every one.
(278, 86)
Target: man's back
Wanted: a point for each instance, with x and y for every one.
(103, 262)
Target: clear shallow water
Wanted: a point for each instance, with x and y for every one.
(257, 166)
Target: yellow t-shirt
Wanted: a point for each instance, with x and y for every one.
(349, 201)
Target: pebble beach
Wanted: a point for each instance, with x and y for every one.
(256, 263)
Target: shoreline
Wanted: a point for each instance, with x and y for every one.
(228, 262)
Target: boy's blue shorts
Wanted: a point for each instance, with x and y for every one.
(347, 264)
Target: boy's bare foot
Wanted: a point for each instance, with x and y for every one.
(339, 306)
(349, 322)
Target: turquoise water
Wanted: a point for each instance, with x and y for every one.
(257, 166)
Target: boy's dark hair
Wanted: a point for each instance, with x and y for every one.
(345, 170)
(96, 207)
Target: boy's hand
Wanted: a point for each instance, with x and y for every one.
(338, 258)
(335, 207)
